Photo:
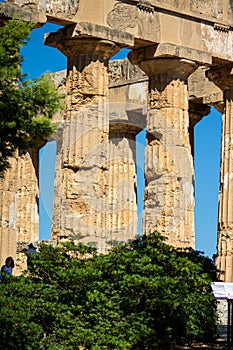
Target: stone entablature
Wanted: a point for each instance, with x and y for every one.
(216, 10)
(200, 25)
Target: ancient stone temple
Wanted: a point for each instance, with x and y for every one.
(180, 63)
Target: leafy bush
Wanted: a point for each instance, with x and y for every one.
(26, 106)
(144, 295)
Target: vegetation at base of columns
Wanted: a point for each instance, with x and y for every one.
(26, 106)
(144, 295)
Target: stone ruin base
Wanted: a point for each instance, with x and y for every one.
(21, 257)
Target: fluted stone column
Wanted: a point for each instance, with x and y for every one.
(223, 78)
(169, 202)
(83, 208)
(19, 214)
(8, 212)
(122, 214)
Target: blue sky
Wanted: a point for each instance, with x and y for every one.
(207, 172)
(39, 59)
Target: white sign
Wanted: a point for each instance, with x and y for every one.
(222, 290)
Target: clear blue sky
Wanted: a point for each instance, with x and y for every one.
(39, 59)
(207, 172)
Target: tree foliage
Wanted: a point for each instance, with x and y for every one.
(26, 107)
(144, 295)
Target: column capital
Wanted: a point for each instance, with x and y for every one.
(72, 45)
(169, 50)
(172, 66)
(197, 111)
(222, 76)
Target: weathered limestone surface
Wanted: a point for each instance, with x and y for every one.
(19, 199)
(222, 310)
(127, 114)
(19, 205)
(127, 96)
(98, 201)
(53, 9)
(168, 165)
(95, 198)
(202, 90)
(213, 9)
(126, 117)
(8, 10)
(223, 78)
(139, 23)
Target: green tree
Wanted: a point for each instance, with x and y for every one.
(145, 295)
(26, 107)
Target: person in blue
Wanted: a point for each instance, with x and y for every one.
(31, 250)
(7, 268)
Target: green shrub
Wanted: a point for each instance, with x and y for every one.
(144, 295)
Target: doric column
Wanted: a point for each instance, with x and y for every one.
(169, 199)
(19, 218)
(8, 212)
(83, 208)
(122, 213)
(223, 78)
